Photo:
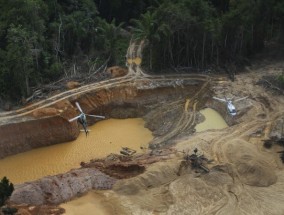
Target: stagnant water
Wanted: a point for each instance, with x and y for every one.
(105, 137)
(136, 61)
(213, 120)
(93, 201)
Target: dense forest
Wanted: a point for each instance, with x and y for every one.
(42, 41)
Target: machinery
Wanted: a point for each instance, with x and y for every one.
(82, 118)
(229, 102)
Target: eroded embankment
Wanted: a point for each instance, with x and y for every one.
(49, 125)
(60, 188)
(105, 137)
(24, 136)
(123, 101)
(245, 178)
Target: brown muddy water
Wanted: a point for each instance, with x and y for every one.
(105, 137)
(91, 203)
(213, 120)
(136, 61)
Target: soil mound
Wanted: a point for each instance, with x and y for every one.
(61, 188)
(148, 191)
(244, 178)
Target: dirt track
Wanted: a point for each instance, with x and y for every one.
(245, 178)
(135, 74)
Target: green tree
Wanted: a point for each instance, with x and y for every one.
(148, 28)
(73, 26)
(194, 32)
(278, 17)
(208, 32)
(6, 189)
(121, 10)
(20, 57)
(109, 34)
(22, 34)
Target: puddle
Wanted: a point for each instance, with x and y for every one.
(136, 61)
(213, 120)
(105, 137)
(87, 204)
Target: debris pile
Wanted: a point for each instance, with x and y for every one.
(127, 151)
(276, 137)
(126, 164)
(195, 161)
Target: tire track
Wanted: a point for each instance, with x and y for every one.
(187, 119)
(135, 76)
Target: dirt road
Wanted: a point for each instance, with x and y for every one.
(245, 178)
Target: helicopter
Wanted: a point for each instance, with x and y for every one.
(82, 118)
(230, 107)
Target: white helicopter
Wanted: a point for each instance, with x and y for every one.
(230, 107)
(82, 118)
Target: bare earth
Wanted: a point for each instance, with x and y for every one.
(245, 177)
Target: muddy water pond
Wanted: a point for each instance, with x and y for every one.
(213, 120)
(94, 202)
(105, 137)
(91, 202)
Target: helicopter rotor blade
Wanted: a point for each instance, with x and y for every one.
(222, 100)
(240, 99)
(71, 120)
(78, 106)
(97, 116)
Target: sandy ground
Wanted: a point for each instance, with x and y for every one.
(245, 177)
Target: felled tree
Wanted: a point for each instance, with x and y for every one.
(6, 189)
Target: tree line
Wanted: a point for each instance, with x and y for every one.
(42, 41)
(199, 33)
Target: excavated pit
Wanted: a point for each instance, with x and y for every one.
(169, 106)
(243, 177)
(151, 100)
